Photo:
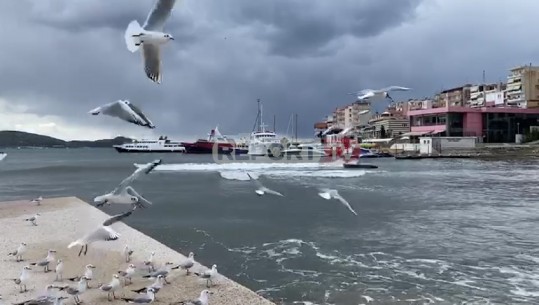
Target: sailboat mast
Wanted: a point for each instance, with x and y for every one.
(274, 124)
(296, 127)
(257, 117)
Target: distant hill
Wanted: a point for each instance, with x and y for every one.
(9, 138)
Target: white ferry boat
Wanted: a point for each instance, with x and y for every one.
(264, 142)
(162, 145)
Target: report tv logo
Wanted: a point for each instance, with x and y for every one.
(274, 153)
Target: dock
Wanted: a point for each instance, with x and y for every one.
(66, 219)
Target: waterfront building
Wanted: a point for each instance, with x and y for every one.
(523, 87)
(386, 125)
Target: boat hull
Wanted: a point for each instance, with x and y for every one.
(205, 147)
(128, 150)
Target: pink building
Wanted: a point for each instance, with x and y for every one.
(491, 124)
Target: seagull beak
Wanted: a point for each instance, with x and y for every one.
(171, 38)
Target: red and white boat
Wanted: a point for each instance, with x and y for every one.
(215, 139)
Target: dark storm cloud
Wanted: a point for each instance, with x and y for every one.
(68, 56)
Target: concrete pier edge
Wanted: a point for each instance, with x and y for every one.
(72, 218)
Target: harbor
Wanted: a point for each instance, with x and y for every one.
(65, 219)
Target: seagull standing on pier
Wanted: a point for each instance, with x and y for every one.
(23, 278)
(128, 273)
(88, 274)
(37, 200)
(19, 252)
(203, 299)
(33, 219)
(103, 233)
(127, 253)
(149, 262)
(188, 263)
(151, 37)
(111, 287)
(149, 298)
(261, 189)
(125, 194)
(333, 194)
(370, 94)
(208, 275)
(78, 290)
(48, 298)
(59, 270)
(46, 262)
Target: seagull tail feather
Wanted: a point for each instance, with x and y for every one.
(131, 40)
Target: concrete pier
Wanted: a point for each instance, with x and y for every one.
(64, 220)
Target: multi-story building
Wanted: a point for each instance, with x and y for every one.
(454, 97)
(386, 125)
(478, 93)
(523, 87)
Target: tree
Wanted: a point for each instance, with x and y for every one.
(382, 132)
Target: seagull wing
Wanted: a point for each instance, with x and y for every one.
(128, 114)
(159, 14)
(364, 95)
(116, 218)
(152, 61)
(102, 234)
(255, 181)
(394, 88)
(325, 195)
(269, 191)
(143, 202)
(144, 169)
(140, 114)
(345, 203)
(94, 111)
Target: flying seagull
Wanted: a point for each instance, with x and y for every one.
(151, 37)
(333, 194)
(125, 194)
(261, 190)
(202, 300)
(370, 94)
(124, 110)
(103, 233)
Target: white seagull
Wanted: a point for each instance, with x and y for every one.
(370, 94)
(78, 290)
(111, 287)
(59, 270)
(124, 110)
(47, 299)
(261, 189)
(125, 194)
(128, 273)
(103, 233)
(333, 194)
(46, 262)
(203, 299)
(33, 219)
(23, 278)
(149, 298)
(19, 252)
(127, 253)
(188, 263)
(37, 200)
(208, 275)
(88, 274)
(151, 37)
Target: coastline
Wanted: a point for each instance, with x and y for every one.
(74, 218)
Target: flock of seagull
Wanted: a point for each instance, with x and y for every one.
(149, 38)
(124, 194)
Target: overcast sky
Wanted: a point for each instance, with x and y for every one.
(61, 58)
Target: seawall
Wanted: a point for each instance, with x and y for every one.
(66, 219)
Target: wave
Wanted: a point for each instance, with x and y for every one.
(64, 169)
(242, 176)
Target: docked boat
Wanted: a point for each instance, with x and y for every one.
(263, 142)
(215, 140)
(162, 145)
(305, 150)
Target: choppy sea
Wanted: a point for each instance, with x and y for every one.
(428, 231)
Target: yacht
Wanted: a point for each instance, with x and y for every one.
(264, 142)
(162, 145)
(305, 150)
